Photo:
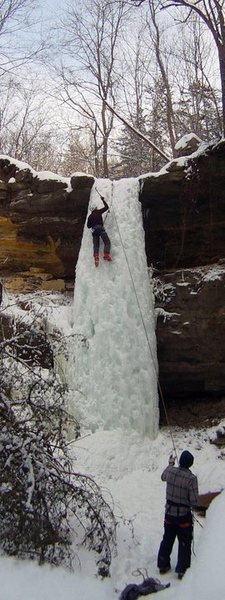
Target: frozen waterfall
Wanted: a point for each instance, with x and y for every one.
(113, 369)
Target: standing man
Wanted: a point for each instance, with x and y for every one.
(181, 495)
(95, 222)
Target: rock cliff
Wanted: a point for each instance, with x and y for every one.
(41, 224)
(184, 221)
(42, 216)
(184, 210)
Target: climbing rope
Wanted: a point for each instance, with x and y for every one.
(144, 327)
(148, 342)
(146, 334)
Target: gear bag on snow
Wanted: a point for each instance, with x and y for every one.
(148, 586)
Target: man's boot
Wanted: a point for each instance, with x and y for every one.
(96, 259)
(107, 256)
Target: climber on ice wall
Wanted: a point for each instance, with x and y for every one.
(95, 223)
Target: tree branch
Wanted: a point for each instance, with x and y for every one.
(138, 133)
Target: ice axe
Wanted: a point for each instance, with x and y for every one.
(98, 192)
(102, 197)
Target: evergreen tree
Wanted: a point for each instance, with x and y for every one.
(135, 154)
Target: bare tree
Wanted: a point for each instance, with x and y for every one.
(157, 125)
(156, 38)
(139, 134)
(17, 48)
(16, 17)
(28, 130)
(44, 504)
(212, 13)
(137, 61)
(198, 107)
(79, 152)
(91, 35)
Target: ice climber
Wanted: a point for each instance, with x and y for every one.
(181, 495)
(95, 222)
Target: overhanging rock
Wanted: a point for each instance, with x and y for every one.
(42, 216)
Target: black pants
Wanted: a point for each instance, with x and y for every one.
(182, 528)
(97, 233)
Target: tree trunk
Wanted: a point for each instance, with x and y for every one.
(221, 51)
(105, 142)
(139, 134)
(169, 102)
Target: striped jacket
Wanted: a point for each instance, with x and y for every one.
(181, 490)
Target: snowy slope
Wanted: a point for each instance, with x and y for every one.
(115, 371)
(129, 468)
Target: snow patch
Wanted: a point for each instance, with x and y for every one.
(184, 141)
(213, 274)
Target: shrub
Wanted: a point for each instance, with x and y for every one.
(44, 504)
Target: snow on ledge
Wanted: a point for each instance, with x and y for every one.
(18, 163)
(181, 161)
(48, 175)
(81, 174)
(41, 175)
(184, 141)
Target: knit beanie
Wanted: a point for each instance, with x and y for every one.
(186, 459)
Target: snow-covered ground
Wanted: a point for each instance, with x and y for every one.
(126, 463)
(129, 467)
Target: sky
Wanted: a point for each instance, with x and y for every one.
(59, 118)
(48, 8)
(124, 461)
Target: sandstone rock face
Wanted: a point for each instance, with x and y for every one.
(184, 221)
(41, 223)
